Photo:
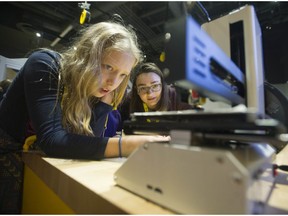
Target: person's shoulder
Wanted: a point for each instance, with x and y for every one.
(44, 54)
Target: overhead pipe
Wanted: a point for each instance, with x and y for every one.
(68, 29)
(106, 7)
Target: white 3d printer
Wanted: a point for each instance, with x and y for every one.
(216, 160)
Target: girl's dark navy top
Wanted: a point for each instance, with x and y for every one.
(32, 98)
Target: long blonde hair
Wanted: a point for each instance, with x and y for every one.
(81, 67)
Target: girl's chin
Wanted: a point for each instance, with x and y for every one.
(99, 95)
(151, 106)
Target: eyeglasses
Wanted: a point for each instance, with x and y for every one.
(146, 89)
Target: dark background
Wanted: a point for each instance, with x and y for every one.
(19, 21)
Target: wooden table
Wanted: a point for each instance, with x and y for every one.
(57, 186)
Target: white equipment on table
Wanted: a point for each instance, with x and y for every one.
(215, 161)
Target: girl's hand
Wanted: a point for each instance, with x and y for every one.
(130, 143)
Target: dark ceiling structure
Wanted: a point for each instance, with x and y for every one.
(58, 21)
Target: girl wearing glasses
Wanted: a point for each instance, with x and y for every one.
(151, 93)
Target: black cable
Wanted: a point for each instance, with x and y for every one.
(203, 9)
(280, 167)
